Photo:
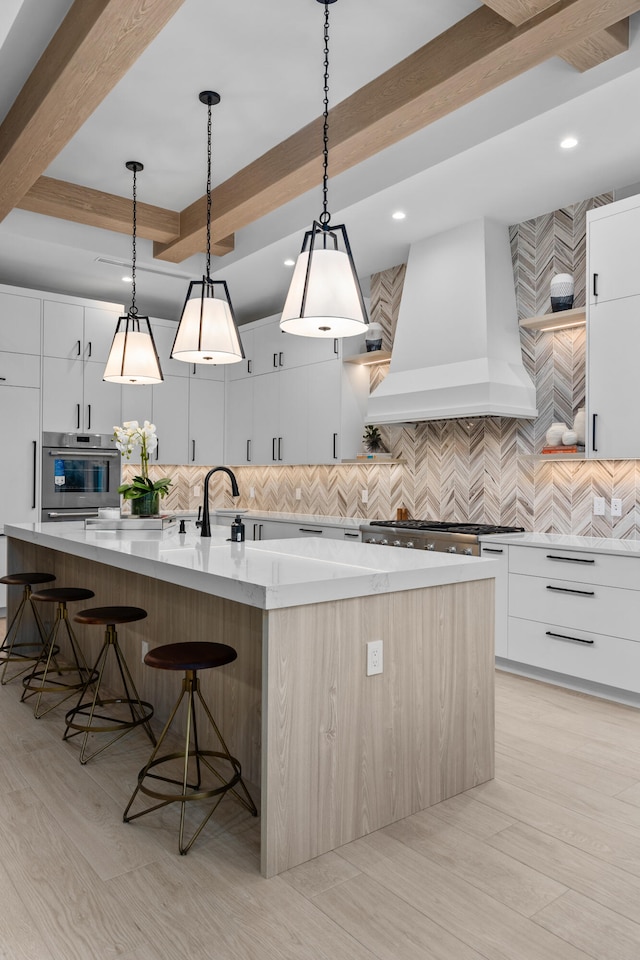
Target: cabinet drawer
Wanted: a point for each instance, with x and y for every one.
(580, 566)
(19, 370)
(608, 610)
(589, 656)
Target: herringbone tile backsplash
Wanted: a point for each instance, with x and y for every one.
(479, 469)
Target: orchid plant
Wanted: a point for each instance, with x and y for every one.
(129, 436)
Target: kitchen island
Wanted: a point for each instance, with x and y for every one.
(332, 753)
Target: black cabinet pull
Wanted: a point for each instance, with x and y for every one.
(273, 448)
(78, 414)
(354, 535)
(249, 365)
(89, 348)
(579, 593)
(78, 349)
(335, 346)
(492, 550)
(279, 448)
(564, 636)
(193, 451)
(3, 378)
(335, 446)
(593, 433)
(35, 456)
(259, 531)
(248, 451)
(88, 416)
(280, 359)
(310, 530)
(552, 556)
(595, 284)
(158, 450)
(275, 359)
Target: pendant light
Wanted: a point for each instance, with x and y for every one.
(133, 357)
(208, 332)
(325, 299)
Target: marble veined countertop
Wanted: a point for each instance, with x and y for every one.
(626, 548)
(269, 574)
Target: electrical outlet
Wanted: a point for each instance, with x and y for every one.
(616, 507)
(598, 506)
(374, 657)
(364, 495)
(197, 491)
(252, 493)
(144, 650)
(298, 493)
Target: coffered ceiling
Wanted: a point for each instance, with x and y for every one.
(449, 110)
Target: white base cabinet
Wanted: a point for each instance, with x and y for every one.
(264, 528)
(575, 613)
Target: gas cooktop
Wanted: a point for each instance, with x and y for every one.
(444, 526)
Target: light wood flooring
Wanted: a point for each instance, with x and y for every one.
(542, 863)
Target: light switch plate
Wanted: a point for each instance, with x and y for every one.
(598, 506)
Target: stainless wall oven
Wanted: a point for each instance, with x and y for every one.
(80, 472)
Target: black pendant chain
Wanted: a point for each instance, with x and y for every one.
(325, 216)
(209, 126)
(135, 167)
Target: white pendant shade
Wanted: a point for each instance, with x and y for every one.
(207, 333)
(333, 303)
(132, 359)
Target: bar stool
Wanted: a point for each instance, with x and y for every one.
(190, 657)
(14, 650)
(88, 716)
(39, 681)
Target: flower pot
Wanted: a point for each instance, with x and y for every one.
(146, 506)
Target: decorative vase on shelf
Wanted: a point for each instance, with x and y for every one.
(146, 506)
(373, 337)
(554, 434)
(569, 438)
(561, 292)
(579, 425)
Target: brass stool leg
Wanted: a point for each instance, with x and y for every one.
(38, 681)
(141, 711)
(190, 689)
(9, 649)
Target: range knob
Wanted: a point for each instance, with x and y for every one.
(371, 540)
(397, 543)
(468, 552)
(452, 550)
(430, 546)
(409, 544)
(384, 543)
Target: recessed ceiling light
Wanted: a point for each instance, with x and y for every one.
(398, 215)
(289, 263)
(568, 143)
(127, 279)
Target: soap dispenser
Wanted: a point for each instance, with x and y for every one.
(237, 530)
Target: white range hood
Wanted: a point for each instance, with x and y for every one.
(456, 351)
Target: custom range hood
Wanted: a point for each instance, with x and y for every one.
(456, 351)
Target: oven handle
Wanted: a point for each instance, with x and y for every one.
(74, 513)
(83, 453)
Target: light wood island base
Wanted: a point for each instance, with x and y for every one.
(333, 754)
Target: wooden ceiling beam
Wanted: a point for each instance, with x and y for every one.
(96, 44)
(68, 201)
(587, 53)
(471, 58)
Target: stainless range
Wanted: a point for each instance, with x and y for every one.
(441, 536)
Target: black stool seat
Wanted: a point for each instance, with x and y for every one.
(110, 615)
(22, 579)
(192, 655)
(63, 594)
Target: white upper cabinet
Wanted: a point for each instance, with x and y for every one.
(76, 332)
(171, 416)
(206, 421)
(19, 324)
(99, 330)
(245, 368)
(239, 428)
(274, 350)
(613, 240)
(164, 333)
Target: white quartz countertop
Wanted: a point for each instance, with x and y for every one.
(627, 548)
(269, 574)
